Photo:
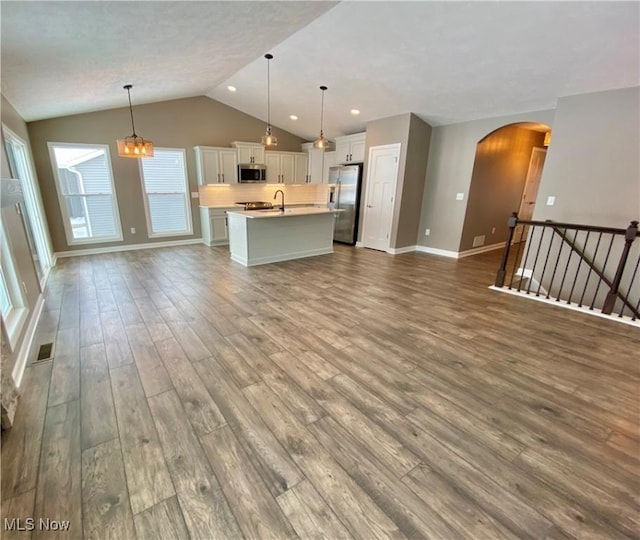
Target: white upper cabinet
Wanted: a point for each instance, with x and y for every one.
(216, 165)
(314, 164)
(249, 152)
(286, 167)
(350, 148)
(329, 160)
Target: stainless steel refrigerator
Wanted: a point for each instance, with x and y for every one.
(346, 197)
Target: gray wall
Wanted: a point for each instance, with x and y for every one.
(497, 182)
(593, 162)
(413, 183)
(593, 171)
(413, 135)
(449, 169)
(182, 123)
(16, 236)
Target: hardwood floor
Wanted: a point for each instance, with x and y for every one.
(353, 395)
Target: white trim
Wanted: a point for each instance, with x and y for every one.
(564, 305)
(436, 251)
(129, 247)
(279, 258)
(359, 244)
(399, 251)
(145, 196)
(27, 343)
(481, 249)
(62, 199)
(366, 218)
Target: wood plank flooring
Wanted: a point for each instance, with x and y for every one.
(353, 395)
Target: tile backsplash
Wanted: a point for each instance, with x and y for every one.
(296, 193)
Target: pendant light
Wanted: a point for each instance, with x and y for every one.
(267, 138)
(321, 142)
(134, 146)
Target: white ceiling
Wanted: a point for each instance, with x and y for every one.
(446, 61)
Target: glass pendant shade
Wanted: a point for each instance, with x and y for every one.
(268, 139)
(321, 143)
(134, 146)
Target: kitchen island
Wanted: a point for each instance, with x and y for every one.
(267, 236)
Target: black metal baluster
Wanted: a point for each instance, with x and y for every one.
(535, 262)
(526, 255)
(595, 254)
(566, 268)
(604, 269)
(513, 220)
(544, 267)
(517, 257)
(555, 268)
(633, 277)
(612, 295)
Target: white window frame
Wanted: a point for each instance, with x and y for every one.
(64, 209)
(187, 195)
(32, 200)
(14, 319)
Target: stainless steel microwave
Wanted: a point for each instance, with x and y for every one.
(252, 172)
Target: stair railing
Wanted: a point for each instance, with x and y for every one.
(558, 261)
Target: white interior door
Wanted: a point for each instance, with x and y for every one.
(530, 192)
(382, 178)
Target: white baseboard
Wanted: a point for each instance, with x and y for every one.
(280, 258)
(459, 254)
(563, 305)
(481, 249)
(398, 251)
(435, 251)
(359, 244)
(27, 343)
(128, 247)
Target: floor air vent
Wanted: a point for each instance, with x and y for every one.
(44, 353)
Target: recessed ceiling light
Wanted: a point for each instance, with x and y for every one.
(355, 112)
(293, 117)
(231, 88)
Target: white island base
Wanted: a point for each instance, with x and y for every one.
(267, 236)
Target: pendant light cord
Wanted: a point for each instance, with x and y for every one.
(321, 114)
(269, 94)
(133, 126)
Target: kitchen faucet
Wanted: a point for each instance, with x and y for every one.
(276, 194)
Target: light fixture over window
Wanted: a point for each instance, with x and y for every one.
(268, 139)
(134, 146)
(321, 142)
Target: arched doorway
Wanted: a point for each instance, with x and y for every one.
(505, 178)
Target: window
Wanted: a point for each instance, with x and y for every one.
(12, 301)
(166, 193)
(21, 165)
(85, 188)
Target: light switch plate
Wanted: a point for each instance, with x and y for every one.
(551, 200)
(195, 195)
(459, 196)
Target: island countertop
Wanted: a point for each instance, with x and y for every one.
(277, 213)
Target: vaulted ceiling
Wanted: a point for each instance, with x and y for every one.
(445, 61)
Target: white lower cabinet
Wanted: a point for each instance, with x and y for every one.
(214, 225)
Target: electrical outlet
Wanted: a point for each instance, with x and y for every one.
(427, 232)
(493, 230)
(195, 195)
(551, 201)
(459, 196)
(133, 230)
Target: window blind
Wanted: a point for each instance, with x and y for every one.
(165, 184)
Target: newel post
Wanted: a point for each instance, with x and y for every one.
(610, 300)
(513, 221)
